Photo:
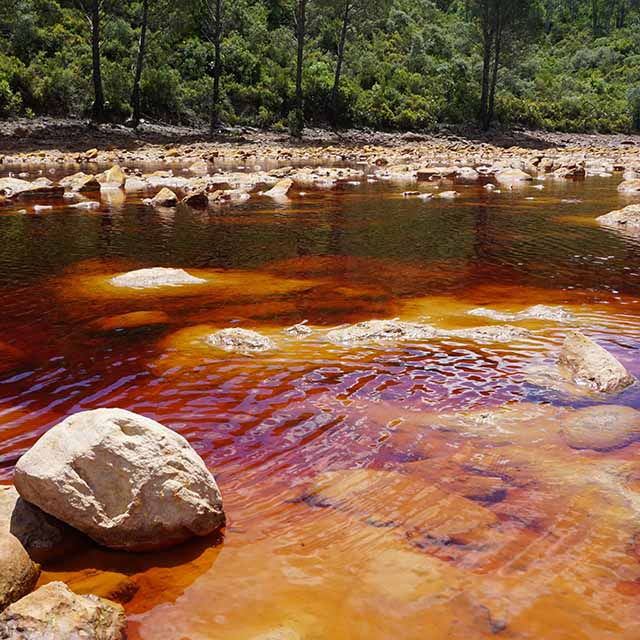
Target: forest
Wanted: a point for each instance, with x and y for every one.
(565, 65)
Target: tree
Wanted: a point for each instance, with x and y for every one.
(135, 96)
(92, 10)
(213, 22)
(346, 16)
(301, 31)
(499, 20)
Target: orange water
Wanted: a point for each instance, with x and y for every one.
(366, 495)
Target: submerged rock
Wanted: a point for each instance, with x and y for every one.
(125, 480)
(133, 320)
(381, 331)
(491, 333)
(44, 537)
(18, 574)
(589, 365)
(537, 312)
(54, 612)
(155, 277)
(601, 428)
(240, 341)
(627, 219)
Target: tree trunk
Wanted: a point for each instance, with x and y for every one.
(217, 68)
(341, 46)
(494, 72)
(301, 16)
(487, 38)
(135, 97)
(98, 102)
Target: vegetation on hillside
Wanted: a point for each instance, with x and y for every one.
(571, 65)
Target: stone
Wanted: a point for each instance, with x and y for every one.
(135, 184)
(591, 366)
(91, 154)
(18, 574)
(627, 219)
(81, 182)
(629, 186)
(573, 172)
(536, 312)
(280, 189)
(601, 428)
(164, 198)
(44, 537)
(54, 612)
(491, 333)
(381, 331)
(16, 188)
(448, 195)
(200, 167)
(111, 585)
(299, 330)
(123, 479)
(240, 341)
(435, 173)
(508, 176)
(196, 200)
(155, 277)
(113, 178)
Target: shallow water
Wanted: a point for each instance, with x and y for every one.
(370, 491)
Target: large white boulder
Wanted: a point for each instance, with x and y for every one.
(125, 480)
(54, 612)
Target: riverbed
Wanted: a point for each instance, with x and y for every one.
(389, 489)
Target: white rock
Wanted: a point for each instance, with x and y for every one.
(240, 341)
(125, 480)
(155, 277)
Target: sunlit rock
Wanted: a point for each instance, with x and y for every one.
(509, 176)
(200, 167)
(490, 333)
(626, 219)
(133, 183)
(55, 612)
(113, 178)
(381, 331)
(18, 574)
(44, 537)
(242, 341)
(435, 173)
(123, 479)
(81, 182)
(164, 198)
(601, 428)
(448, 195)
(589, 365)
(572, 172)
(280, 189)
(133, 320)
(299, 330)
(14, 188)
(629, 186)
(537, 312)
(155, 277)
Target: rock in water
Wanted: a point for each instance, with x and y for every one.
(18, 574)
(508, 176)
(241, 341)
(627, 218)
(280, 189)
(125, 480)
(381, 331)
(491, 333)
(164, 198)
(629, 186)
(154, 277)
(81, 182)
(602, 428)
(591, 366)
(43, 536)
(54, 612)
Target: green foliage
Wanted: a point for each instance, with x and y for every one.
(408, 64)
